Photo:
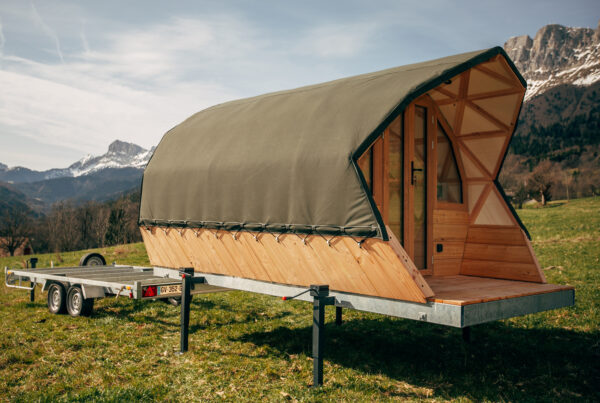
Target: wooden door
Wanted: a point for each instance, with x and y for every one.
(418, 157)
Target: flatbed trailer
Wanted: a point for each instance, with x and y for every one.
(73, 289)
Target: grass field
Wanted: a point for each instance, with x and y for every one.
(248, 347)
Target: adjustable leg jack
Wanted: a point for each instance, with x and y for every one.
(321, 299)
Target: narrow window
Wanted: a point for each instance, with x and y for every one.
(365, 163)
(449, 185)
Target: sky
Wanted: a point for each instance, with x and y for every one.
(77, 75)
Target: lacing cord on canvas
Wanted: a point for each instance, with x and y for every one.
(302, 231)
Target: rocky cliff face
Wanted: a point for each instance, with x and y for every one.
(560, 119)
(557, 55)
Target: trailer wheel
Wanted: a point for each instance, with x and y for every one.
(92, 259)
(56, 299)
(77, 305)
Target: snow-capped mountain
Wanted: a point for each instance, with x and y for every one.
(119, 155)
(557, 55)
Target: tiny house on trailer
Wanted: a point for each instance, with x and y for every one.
(383, 186)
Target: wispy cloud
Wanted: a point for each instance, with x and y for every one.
(337, 40)
(84, 42)
(2, 41)
(136, 87)
(37, 18)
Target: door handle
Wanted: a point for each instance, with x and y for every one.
(412, 172)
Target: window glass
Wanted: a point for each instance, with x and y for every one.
(365, 163)
(449, 186)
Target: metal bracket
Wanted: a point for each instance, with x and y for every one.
(8, 274)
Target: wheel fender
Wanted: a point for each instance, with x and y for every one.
(92, 291)
(89, 257)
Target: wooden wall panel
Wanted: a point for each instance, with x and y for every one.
(376, 268)
(450, 229)
(500, 252)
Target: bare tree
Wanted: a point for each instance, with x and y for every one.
(15, 229)
(63, 231)
(541, 182)
(520, 196)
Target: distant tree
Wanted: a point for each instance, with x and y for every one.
(540, 182)
(116, 232)
(63, 230)
(15, 229)
(520, 196)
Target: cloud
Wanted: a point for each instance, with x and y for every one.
(84, 42)
(2, 40)
(136, 87)
(337, 40)
(37, 18)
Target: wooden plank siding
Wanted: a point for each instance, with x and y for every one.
(450, 230)
(376, 268)
(500, 252)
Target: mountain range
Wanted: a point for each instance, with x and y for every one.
(98, 178)
(560, 121)
(119, 155)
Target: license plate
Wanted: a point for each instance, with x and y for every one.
(169, 289)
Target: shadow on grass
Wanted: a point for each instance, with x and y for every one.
(502, 363)
(144, 312)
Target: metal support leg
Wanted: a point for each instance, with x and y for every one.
(320, 293)
(338, 315)
(466, 334)
(186, 298)
(33, 262)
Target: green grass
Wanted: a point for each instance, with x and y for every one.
(248, 347)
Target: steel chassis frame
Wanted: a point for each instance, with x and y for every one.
(114, 283)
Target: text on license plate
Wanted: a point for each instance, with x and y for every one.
(169, 289)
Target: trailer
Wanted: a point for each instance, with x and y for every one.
(73, 290)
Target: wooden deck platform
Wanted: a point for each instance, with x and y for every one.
(467, 290)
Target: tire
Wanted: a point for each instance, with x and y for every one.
(57, 299)
(92, 259)
(77, 305)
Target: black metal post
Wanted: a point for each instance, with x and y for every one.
(33, 262)
(338, 315)
(321, 298)
(466, 334)
(186, 298)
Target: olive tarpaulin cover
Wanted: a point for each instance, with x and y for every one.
(286, 161)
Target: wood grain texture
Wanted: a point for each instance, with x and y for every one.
(500, 252)
(450, 230)
(376, 268)
(466, 290)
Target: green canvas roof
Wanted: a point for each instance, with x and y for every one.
(286, 161)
